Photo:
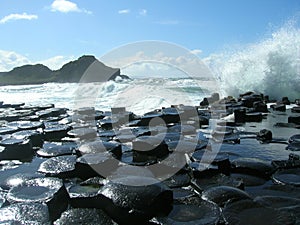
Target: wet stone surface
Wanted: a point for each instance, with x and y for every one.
(175, 165)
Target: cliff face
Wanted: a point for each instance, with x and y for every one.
(84, 69)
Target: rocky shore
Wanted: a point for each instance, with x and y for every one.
(226, 161)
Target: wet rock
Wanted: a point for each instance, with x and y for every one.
(279, 107)
(221, 160)
(26, 125)
(296, 109)
(203, 183)
(183, 129)
(224, 194)
(18, 179)
(264, 135)
(294, 119)
(292, 162)
(16, 149)
(52, 149)
(294, 146)
(49, 191)
(183, 195)
(252, 166)
(140, 199)
(253, 117)
(247, 212)
(83, 196)
(285, 101)
(294, 138)
(240, 116)
(35, 137)
(201, 169)
(83, 133)
(249, 180)
(287, 176)
(25, 213)
(51, 112)
(147, 147)
(96, 164)
(204, 102)
(180, 179)
(196, 212)
(56, 132)
(260, 107)
(83, 216)
(8, 130)
(60, 166)
(128, 170)
(170, 115)
(277, 201)
(101, 146)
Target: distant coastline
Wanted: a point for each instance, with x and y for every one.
(71, 72)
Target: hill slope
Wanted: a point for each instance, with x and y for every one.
(85, 69)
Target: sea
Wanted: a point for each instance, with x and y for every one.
(270, 66)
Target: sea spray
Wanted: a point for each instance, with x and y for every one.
(271, 66)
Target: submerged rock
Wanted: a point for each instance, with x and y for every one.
(287, 176)
(195, 212)
(224, 194)
(247, 212)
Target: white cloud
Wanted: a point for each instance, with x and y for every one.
(196, 51)
(168, 22)
(16, 16)
(56, 62)
(143, 12)
(65, 6)
(124, 11)
(11, 59)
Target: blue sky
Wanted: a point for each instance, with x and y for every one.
(56, 31)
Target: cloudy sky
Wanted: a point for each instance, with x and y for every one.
(56, 31)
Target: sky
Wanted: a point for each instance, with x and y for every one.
(54, 32)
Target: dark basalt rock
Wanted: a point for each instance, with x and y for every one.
(52, 149)
(83, 133)
(180, 179)
(18, 179)
(101, 146)
(296, 109)
(25, 213)
(81, 196)
(220, 179)
(145, 147)
(35, 137)
(252, 166)
(141, 197)
(183, 195)
(292, 162)
(26, 125)
(83, 216)
(56, 132)
(224, 194)
(277, 201)
(128, 170)
(247, 212)
(183, 129)
(96, 164)
(279, 107)
(287, 176)
(8, 130)
(49, 191)
(264, 135)
(253, 117)
(16, 149)
(294, 146)
(294, 119)
(51, 112)
(294, 138)
(197, 211)
(60, 166)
